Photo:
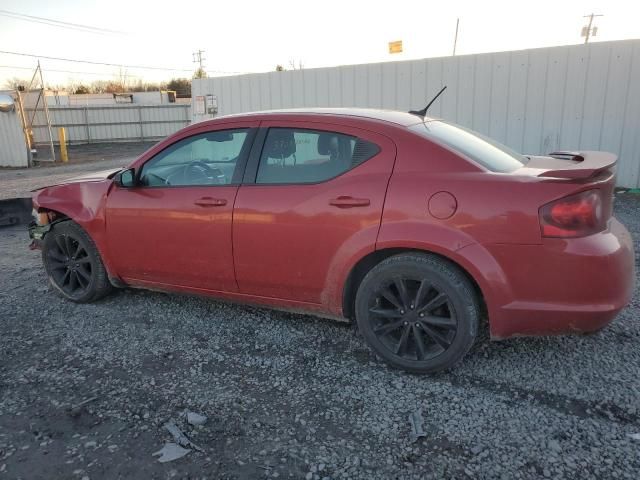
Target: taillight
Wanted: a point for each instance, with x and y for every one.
(577, 215)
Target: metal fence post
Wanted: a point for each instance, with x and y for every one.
(62, 140)
(86, 124)
(140, 122)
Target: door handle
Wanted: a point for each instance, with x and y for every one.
(345, 201)
(210, 202)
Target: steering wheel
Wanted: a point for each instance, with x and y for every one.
(199, 172)
(151, 179)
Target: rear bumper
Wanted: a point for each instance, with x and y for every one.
(562, 286)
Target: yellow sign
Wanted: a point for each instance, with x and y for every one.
(395, 47)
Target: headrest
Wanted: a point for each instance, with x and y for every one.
(327, 142)
(281, 144)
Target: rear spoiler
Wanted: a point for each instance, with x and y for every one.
(584, 164)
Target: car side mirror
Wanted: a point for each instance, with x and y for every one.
(126, 178)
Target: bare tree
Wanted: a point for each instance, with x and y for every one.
(182, 87)
(120, 84)
(200, 73)
(14, 83)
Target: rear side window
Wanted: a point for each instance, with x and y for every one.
(310, 156)
(487, 152)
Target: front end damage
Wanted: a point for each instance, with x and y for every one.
(36, 234)
(41, 224)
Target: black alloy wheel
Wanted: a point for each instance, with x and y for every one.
(73, 263)
(413, 318)
(418, 312)
(70, 265)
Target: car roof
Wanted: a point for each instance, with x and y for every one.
(404, 119)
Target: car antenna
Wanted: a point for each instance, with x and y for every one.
(422, 113)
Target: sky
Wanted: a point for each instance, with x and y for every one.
(256, 35)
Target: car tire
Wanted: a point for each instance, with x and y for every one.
(418, 312)
(73, 263)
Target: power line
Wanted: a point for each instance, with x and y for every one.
(76, 72)
(58, 23)
(64, 71)
(119, 65)
(97, 63)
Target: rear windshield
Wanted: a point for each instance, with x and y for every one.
(488, 153)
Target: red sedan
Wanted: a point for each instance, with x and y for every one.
(416, 228)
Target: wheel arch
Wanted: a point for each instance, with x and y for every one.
(367, 262)
(52, 214)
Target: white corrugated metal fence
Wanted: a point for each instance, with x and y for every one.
(535, 101)
(111, 123)
(13, 149)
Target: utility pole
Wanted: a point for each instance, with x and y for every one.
(590, 30)
(199, 59)
(455, 39)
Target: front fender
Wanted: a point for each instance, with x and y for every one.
(79, 201)
(84, 203)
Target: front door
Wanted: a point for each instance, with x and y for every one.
(317, 199)
(174, 226)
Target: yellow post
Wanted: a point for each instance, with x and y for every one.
(62, 138)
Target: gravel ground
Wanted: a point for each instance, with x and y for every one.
(293, 396)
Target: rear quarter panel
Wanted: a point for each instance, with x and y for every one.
(491, 207)
(494, 210)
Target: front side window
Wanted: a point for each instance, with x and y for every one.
(310, 156)
(487, 152)
(204, 159)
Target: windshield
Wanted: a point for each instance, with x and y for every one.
(485, 151)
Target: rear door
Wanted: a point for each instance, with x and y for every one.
(312, 198)
(174, 227)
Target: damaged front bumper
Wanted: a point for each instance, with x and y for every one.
(37, 233)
